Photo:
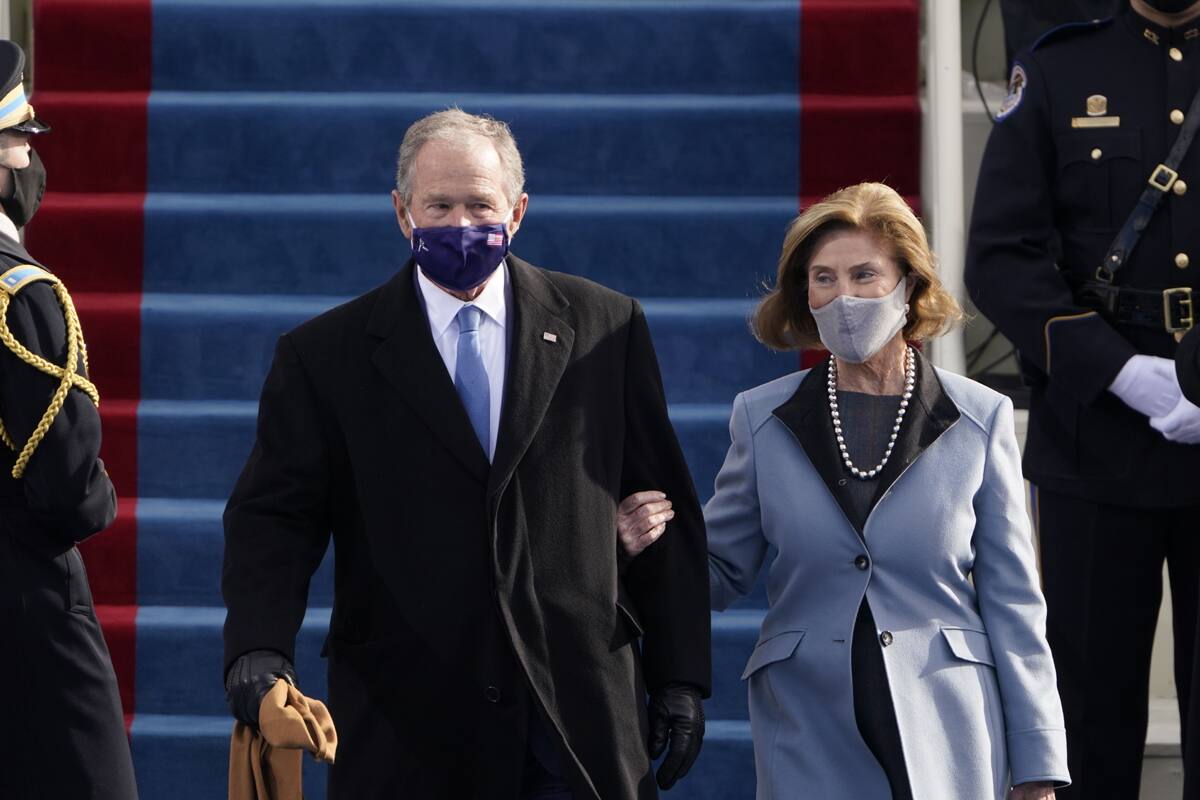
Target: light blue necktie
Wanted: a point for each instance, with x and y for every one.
(471, 378)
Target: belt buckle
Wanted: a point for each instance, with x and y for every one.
(1187, 312)
(1163, 178)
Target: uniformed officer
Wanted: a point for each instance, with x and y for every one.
(1084, 250)
(63, 728)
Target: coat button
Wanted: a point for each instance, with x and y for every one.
(1176, 54)
(1096, 153)
(1179, 187)
(1176, 116)
(1182, 260)
(861, 562)
(492, 694)
(885, 638)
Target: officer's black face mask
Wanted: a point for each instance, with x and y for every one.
(1170, 6)
(29, 184)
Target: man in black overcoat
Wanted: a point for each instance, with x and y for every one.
(63, 731)
(464, 433)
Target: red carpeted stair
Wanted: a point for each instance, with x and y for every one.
(91, 81)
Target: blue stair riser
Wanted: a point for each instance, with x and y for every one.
(347, 244)
(279, 143)
(185, 758)
(220, 347)
(536, 46)
(181, 647)
(197, 451)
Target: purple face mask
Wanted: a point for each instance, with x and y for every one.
(459, 258)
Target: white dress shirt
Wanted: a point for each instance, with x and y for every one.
(441, 308)
(8, 228)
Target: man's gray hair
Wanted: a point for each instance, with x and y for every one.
(456, 127)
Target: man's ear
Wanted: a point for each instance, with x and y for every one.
(401, 215)
(518, 214)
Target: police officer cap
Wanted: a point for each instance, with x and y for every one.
(15, 112)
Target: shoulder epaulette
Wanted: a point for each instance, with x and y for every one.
(1070, 29)
(21, 276)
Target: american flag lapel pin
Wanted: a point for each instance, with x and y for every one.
(549, 337)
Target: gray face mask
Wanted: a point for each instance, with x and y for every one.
(856, 328)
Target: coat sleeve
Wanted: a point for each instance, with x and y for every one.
(1014, 612)
(67, 492)
(736, 545)
(1011, 272)
(668, 581)
(277, 524)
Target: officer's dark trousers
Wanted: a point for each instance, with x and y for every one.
(62, 732)
(1102, 575)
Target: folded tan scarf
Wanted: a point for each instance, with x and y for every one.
(268, 765)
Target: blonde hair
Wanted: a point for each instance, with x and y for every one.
(782, 320)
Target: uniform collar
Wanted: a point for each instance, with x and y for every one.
(442, 307)
(1156, 35)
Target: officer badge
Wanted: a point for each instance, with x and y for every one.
(1097, 114)
(1016, 90)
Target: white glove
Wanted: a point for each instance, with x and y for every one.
(1181, 425)
(1148, 385)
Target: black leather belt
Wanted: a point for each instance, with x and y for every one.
(1169, 310)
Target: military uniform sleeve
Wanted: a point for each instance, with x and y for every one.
(669, 580)
(1187, 366)
(277, 523)
(67, 491)
(1010, 270)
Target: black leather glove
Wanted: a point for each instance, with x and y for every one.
(676, 712)
(249, 680)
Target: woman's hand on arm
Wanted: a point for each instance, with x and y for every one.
(1037, 790)
(642, 518)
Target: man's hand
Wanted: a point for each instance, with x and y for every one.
(1148, 385)
(249, 680)
(675, 713)
(1181, 424)
(641, 519)
(1038, 790)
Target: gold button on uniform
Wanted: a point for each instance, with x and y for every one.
(1177, 116)
(1096, 153)
(1176, 54)
(1182, 260)
(1180, 187)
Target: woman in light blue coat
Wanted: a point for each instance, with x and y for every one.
(903, 654)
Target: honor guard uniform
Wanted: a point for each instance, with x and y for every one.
(1084, 251)
(63, 729)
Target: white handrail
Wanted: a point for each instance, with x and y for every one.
(942, 160)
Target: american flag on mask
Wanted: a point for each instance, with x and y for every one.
(495, 240)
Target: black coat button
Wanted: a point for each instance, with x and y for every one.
(885, 638)
(492, 694)
(861, 562)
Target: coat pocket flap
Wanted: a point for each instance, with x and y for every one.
(776, 648)
(969, 645)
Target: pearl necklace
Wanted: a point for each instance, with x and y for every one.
(910, 371)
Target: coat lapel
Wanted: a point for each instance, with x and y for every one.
(931, 412)
(806, 414)
(409, 360)
(536, 363)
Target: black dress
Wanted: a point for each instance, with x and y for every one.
(867, 422)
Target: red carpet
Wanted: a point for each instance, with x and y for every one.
(91, 83)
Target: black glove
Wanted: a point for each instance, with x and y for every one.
(675, 711)
(249, 680)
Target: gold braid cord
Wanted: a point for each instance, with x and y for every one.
(68, 377)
